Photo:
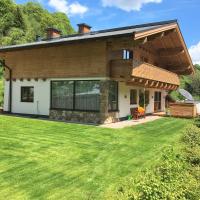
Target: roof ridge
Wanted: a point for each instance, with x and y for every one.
(126, 27)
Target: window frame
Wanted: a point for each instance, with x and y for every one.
(51, 102)
(117, 107)
(136, 102)
(127, 54)
(74, 97)
(27, 101)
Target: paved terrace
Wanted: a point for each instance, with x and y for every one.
(128, 123)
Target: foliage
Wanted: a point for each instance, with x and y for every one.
(171, 179)
(1, 86)
(51, 160)
(192, 136)
(191, 84)
(176, 177)
(22, 23)
(192, 141)
(197, 122)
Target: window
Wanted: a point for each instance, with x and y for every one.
(75, 95)
(133, 97)
(143, 98)
(127, 54)
(27, 94)
(113, 96)
(87, 95)
(62, 94)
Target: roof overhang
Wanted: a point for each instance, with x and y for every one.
(171, 53)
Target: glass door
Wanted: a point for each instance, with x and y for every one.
(157, 101)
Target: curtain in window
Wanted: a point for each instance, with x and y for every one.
(87, 95)
(62, 94)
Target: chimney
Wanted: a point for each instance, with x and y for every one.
(83, 28)
(53, 33)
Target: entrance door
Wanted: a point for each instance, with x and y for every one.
(157, 101)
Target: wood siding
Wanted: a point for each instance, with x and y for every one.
(183, 110)
(86, 59)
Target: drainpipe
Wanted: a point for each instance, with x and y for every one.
(2, 62)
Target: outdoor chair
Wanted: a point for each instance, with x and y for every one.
(138, 113)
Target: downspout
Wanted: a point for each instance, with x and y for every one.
(2, 62)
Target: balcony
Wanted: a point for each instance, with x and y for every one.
(144, 74)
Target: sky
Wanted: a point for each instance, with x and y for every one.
(103, 14)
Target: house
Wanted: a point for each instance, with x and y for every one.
(95, 76)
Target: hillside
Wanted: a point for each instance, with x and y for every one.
(22, 23)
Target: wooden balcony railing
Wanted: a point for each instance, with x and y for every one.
(143, 73)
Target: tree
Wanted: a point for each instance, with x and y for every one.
(21, 23)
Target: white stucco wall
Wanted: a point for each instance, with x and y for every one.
(41, 103)
(124, 99)
(6, 95)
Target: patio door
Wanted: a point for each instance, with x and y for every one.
(157, 101)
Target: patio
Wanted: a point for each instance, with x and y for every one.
(127, 123)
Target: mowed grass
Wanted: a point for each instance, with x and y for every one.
(1, 92)
(54, 160)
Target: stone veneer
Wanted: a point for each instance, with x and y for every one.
(101, 117)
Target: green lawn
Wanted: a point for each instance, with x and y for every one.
(1, 92)
(54, 160)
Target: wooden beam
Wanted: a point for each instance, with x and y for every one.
(146, 83)
(170, 51)
(140, 80)
(152, 84)
(156, 36)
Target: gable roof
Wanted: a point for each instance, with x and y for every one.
(123, 31)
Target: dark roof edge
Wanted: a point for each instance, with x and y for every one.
(51, 42)
(139, 26)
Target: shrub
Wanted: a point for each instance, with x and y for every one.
(193, 155)
(197, 122)
(191, 136)
(169, 180)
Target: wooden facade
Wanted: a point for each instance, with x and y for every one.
(188, 110)
(160, 52)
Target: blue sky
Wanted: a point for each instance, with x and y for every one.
(102, 14)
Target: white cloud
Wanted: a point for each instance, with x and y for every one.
(128, 5)
(71, 9)
(195, 53)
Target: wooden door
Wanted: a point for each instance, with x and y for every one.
(157, 101)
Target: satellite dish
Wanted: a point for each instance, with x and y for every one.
(186, 94)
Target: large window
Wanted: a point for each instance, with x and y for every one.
(87, 95)
(27, 94)
(113, 96)
(133, 96)
(75, 95)
(62, 94)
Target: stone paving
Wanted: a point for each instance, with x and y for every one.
(129, 123)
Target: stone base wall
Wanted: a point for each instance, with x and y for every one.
(83, 117)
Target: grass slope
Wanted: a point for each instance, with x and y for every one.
(1, 86)
(1, 92)
(52, 160)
